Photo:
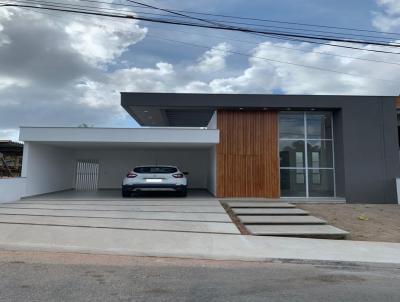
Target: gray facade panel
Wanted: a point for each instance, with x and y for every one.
(391, 149)
(339, 153)
(365, 132)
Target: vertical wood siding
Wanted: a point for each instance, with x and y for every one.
(247, 155)
(398, 102)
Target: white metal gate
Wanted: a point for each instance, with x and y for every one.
(87, 175)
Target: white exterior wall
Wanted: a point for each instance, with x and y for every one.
(212, 124)
(212, 171)
(120, 135)
(12, 189)
(115, 163)
(47, 168)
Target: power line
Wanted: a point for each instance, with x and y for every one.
(219, 23)
(269, 59)
(218, 26)
(256, 19)
(58, 4)
(274, 46)
(265, 59)
(174, 22)
(281, 47)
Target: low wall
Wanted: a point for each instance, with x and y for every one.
(12, 189)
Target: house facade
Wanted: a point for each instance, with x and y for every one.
(267, 146)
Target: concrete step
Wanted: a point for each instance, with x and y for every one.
(259, 204)
(264, 211)
(280, 219)
(314, 231)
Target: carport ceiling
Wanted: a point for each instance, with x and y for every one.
(170, 117)
(149, 110)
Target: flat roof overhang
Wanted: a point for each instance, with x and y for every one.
(196, 110)
(121, 137)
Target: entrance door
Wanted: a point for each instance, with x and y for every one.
(87, 175)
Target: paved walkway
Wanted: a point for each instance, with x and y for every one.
(168, 214)
(191, 245)
(282, 219)
(139, 231)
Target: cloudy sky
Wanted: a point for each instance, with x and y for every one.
(58, 69)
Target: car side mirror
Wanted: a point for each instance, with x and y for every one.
(186, 173)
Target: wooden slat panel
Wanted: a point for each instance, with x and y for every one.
(398, 102)
(247, 155)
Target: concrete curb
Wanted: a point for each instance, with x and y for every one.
(198, 246)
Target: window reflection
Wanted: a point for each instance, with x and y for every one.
(293, 182)
(320, 182)
(291, 125)
(319, 125)
(322, 150)
(292, 153)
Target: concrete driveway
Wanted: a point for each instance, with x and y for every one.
(197, 213)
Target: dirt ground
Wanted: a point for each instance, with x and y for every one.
(365, 222)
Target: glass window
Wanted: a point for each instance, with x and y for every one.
(293, 182)
(155, 170)
(319, 125)
(302, 133)
(319, 154)
(320, 182)
(291, 125)
(292, 154)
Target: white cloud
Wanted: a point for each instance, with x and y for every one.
(266, 76)
(389, 18)
(6, 82)
(9, 134)
(101, 41)
(46, 65)
(106, 94)
(213, 59)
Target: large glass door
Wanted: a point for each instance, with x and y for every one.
(306, 154)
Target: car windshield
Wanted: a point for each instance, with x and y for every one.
(158, 170)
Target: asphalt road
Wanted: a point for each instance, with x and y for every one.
(76, 277)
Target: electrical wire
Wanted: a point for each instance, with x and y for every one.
(266, 59)
(269, 59)
(174, 22)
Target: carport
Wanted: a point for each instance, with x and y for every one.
(96, 159)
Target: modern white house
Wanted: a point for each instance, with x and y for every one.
(268, 146)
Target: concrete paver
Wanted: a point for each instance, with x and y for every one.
(145, 208)
(263, 211)
(325, 231)
(280, 219)
(161, 225)
(125, 202)
(217, 217)
(259, 204)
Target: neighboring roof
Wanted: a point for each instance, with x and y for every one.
(7, 147)
(196, 110)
